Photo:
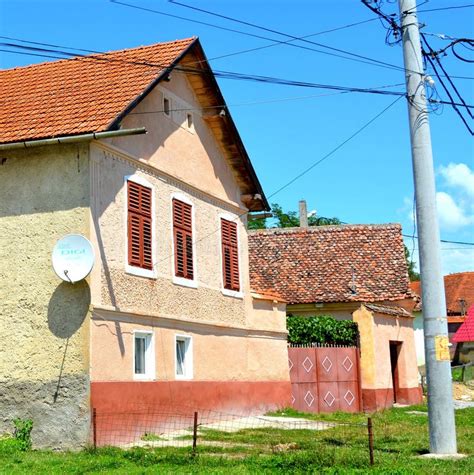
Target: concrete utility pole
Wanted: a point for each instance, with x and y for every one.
(438, 368)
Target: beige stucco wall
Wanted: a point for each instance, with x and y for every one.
(376, 332)
(400, 329)
(193, 156)
(44, 332)
(368, 359)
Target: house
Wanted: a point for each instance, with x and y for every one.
(459, 292)
(166, 317)
(464, 338)
(355, 272)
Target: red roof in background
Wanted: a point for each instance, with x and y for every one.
(321, 264)
(466, 330)
(78, 95)
(457, 287)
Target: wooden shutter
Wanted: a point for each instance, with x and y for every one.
(183, 239)
(139, 226)
(230, 255)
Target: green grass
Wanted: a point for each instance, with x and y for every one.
(399, 438)
(151, 437)
(459, 376)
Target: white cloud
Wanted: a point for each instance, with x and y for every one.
(456, 260)
(458, 175)
(451, 216)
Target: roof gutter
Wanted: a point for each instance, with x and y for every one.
(73, 138)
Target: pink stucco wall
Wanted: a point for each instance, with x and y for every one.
(235, 338)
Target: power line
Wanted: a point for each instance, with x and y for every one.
(354, 56)
(334, 150)
(250, 103)
(278, 43)
(428, 57)
(397, 30)
(446, 8)
(444, 240)
(221, 74)
(436, 58)
(240, 32)
(321, 45)
(304, 172)
(437, 101)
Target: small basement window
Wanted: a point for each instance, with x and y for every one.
(184, 357)
(166, 106)
(144, 364)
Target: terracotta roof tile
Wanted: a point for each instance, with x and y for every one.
(458, 287)
(388, 310)
(466, 330)
(78, 95)
(320, 264)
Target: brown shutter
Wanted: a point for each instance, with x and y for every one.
(230, 255)
(139, 226)
(183, 239)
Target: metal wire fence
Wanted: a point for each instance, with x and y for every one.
(208, 430)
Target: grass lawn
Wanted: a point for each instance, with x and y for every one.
(399, 438)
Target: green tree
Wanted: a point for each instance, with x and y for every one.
(289, 219)
(412, 274)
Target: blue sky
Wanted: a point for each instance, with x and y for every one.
(286, 129)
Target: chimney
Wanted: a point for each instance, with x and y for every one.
(303, 214)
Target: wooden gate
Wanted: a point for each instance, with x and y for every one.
(325, 379)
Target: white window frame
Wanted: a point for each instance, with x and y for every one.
(188, 358)
(230, 293)
(192, 283)
(134, 270)
(150, 370)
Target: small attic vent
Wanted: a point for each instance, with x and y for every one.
(166, 106)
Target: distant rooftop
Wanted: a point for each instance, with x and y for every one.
(346, 263)
(459, 290)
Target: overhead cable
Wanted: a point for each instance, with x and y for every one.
(221, 73)
(304, 172)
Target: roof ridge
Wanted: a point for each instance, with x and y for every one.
(92, 55)
(341, 227)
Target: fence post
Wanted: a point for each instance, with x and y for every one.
(195, 426)
(371, 440)
(94, 427)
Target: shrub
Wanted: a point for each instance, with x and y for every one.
(323, 330)
(22, 433)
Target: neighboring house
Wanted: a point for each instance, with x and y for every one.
(459, 292)
(353, 272)
(166, 316)
(464, 338)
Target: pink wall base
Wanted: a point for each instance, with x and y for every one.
(124, 411)
(376, 399)
(240, 396)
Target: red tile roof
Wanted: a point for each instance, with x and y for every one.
(359, 263)
(458, 287)
(466, 330)
(392, 310)
(78, 95)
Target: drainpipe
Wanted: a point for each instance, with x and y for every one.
(303, 214)
(72, 138)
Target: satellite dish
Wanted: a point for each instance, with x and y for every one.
(73, 258)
